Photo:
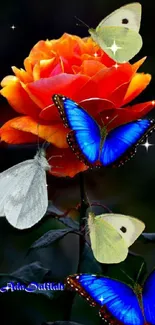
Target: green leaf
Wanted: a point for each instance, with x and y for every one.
(61, 257)
(69, 222)
(147, 237)
(50, 237)
(32, 272)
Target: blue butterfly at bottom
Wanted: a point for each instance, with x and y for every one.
(119, 303)
(92, 144)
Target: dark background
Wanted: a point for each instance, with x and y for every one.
(128, 190)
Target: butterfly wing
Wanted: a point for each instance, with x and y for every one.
(27, 201)
(121, 143)
(107, 244)
(128, 227)
(8, 181)
(122, 27)
(128, 16)
(85, 134)
(118, 299)
(120, 43)
(148, 295)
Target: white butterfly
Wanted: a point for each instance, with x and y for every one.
(111, 235)
(118, 34)
(23, 191)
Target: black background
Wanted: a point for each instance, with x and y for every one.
(128, 190)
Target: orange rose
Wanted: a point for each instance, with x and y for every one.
(76, 68)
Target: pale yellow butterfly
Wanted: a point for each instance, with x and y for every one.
(118, 34)
(111, 235)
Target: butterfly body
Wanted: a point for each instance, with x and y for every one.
(23, 192)
(118, 302)
(95, 146)
(118, 34)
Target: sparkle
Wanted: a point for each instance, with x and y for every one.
(7, 288)
(114, 48)
(101, 299)
(116, 65)
(95, 54)
(13, 27)
(107, 117)
(147, 145)
(153, 102)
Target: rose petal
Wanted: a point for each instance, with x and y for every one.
(142, 109)
(105, 81)
(28, 66)
(46, 66)
(107, 60)
(117, 96)
(36, 71)
(41, 51)
(116, 117)
(69, 46)
(57, 70)
(91, 67)
(96, 105)
(55, 134)
(13, 136)
(66, 165)
(137, 65)
(9, 80)
(42, 90)
(138, 83)
(66, 66)
(19, 99)
(50, 115)
(22, 75)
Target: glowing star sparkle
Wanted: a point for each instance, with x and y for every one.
(101, 299)
(147, 145)
(116, 65)
(95, 54)
(114, 48)
(13, 27)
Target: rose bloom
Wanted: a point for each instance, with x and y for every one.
(79, 69)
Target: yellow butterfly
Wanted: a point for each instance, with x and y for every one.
(118, 34)
(111, 235)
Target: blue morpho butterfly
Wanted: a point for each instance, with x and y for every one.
(92, 144)
(119, 303)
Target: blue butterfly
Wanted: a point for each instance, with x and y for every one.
(92, 144)
(119, 303)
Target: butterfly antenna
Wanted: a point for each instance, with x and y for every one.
(81, 21)
(101, 205)
(56, 156)
(47, 142)
(38, 144)
(112, 120)
(139, 273)
(101, 118)
(127, 276)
